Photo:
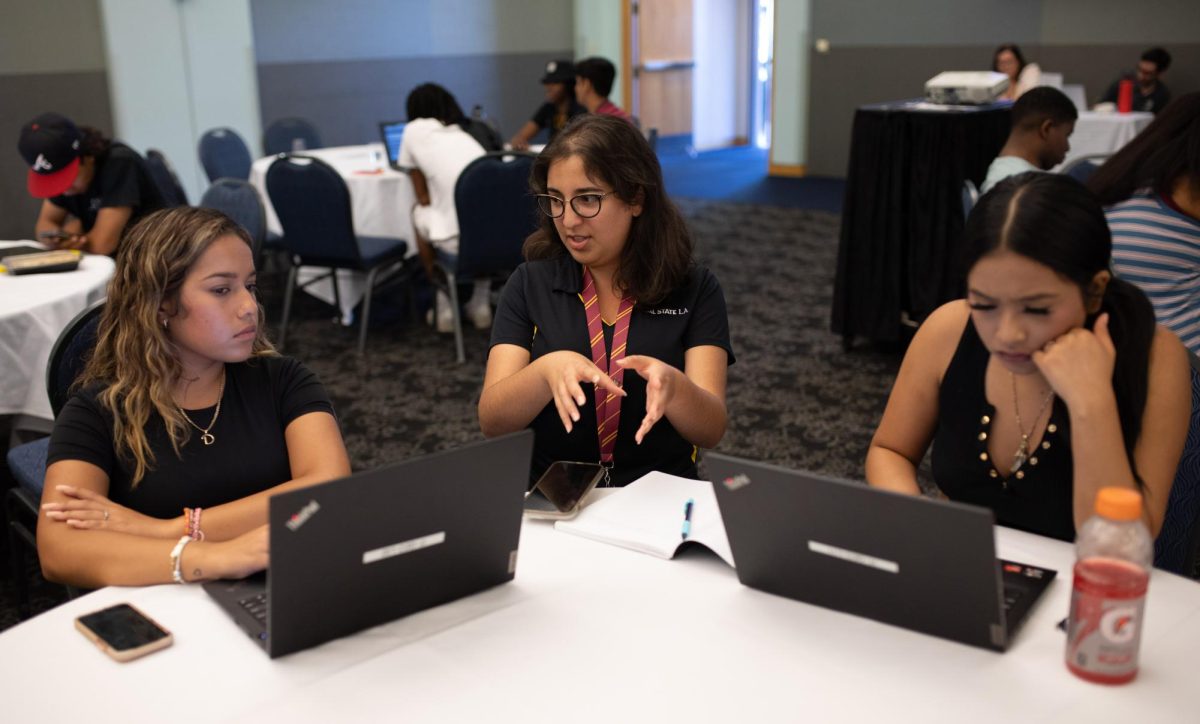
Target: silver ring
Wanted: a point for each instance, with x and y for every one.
(106, 516)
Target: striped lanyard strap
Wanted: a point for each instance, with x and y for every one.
(608, 404)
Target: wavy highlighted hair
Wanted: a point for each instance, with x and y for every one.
(135, 361)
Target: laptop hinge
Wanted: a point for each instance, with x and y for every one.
(998, 634)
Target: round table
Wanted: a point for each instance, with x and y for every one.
(34, 309)
(1103, 133)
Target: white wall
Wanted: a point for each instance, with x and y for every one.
(789, 90)
(598, 32)
(176, 69)
(720, 102)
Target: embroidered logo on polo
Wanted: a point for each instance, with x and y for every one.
(672, 312)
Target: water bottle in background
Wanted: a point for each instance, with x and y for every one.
(1114, 552)
(1125, 96)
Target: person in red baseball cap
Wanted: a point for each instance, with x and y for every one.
(560, 105)
(92, 188)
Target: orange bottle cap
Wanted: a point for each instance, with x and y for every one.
(1119, 503)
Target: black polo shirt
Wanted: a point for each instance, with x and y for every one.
(121, 178)
(540, 310)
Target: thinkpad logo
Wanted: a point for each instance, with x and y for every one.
(737, 482)
(301, 516)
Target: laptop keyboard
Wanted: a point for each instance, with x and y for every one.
(256, 606)
(1011, 596)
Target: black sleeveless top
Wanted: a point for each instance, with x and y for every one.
(1038, 497)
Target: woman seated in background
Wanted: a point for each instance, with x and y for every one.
(560, 106)
(436, 148)
(93, 188)
(610, 273)
(1022, 76)
(1152, 189)
(1048, 382)
(183, 402)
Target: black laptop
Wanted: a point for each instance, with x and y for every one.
(392, 133)
(363, 550)
(922, 564)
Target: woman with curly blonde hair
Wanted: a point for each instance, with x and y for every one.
(185, 420)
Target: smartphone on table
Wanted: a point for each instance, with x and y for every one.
(123, 632)
(561, 489)
(54, 235)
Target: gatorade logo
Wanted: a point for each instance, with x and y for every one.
(1118, 625)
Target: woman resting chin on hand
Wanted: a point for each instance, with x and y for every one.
(184, 422)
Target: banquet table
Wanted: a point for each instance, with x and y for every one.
(1104, 133)
(381, 200)
(34, 309)
(591, 632)
(903, 215)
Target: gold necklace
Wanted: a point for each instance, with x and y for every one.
(206, 437)
(1022, 453)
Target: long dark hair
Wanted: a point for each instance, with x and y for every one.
(1053, 220)
(1157, 157)
(657, 255)
(430, 100)
(1012, 48)
(92, 141)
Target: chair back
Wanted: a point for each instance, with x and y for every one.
(1177, 548)
(313, 206)
(288, 135)
(70, 354)
(165, 178)
(240, 201)
(224, 154)
(970, 195)
(496, 212)
(1083, 167)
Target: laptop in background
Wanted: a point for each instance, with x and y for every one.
(392, 132)
(922, 564)
(372, 547)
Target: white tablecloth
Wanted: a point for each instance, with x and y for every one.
(1104, 133)
(594, 633)
(381, 201)
(34, 309)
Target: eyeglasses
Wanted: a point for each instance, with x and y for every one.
(585, 206)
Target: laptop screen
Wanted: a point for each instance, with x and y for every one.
(392, 133)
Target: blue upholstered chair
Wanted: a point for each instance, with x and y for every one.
(224, 154)
(313, 206)
(496, 213)
(28, 462)
(240, 201)
(290, 134)
(1177, 548)
(1082, 168)
(970, 195)
(165, 178)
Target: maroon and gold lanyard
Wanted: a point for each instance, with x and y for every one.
(608, 404)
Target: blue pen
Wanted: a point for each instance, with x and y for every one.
(687, 518)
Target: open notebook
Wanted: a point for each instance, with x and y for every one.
(647, 516)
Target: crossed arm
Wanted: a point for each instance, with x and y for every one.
(78, 545)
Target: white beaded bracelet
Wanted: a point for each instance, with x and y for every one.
(177, 558)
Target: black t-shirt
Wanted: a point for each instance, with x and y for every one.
(540, 310)
(249, 453)
(121, 179)
(1152, 102)
(548, 116)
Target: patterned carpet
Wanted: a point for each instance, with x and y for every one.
(795, 398)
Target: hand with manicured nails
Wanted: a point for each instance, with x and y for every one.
(661, 383)
(1080, 363)
(563, 372)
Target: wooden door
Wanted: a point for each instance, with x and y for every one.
(663, 62)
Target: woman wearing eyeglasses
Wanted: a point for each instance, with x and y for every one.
(609, 342)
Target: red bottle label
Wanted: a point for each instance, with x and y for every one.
(1105, 628)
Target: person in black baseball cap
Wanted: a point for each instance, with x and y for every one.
(92, 187)
(560, 105)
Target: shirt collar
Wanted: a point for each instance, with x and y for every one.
(568, 274)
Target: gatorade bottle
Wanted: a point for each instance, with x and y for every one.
(1114, 552)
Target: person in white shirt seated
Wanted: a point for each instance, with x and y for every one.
(1042, 123)
(1022, 77)
(436, 147)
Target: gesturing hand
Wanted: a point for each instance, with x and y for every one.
(661, 383)
(1078, 363)
(88, 510)
(563, 372)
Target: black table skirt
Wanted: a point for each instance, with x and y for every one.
(902, 219)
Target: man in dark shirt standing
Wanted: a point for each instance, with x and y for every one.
(1149, 93)
(93, 188)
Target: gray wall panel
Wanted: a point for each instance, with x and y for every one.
(925, 22)
(82, 96)
(346, 100)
